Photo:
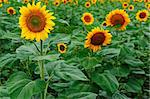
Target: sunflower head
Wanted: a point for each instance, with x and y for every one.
(62, 47)
(25, 1)
(56, 2)
(146, 1)
(35, 22)
(87, 18)
(96, 38)
(104, 24)
(11, 11)
(131, 8)
(87, 4)
(125, 5)
(142, 15)
(93, 1)
(118, 18)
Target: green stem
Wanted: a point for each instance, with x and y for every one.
(45, 92)
(41, 67)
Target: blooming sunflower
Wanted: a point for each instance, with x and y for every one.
(93, 1)
(1, 5)
(11, 11)
(146, 1)
(35, 22)
(96, 38)
(131, 8)
(118, 18)
(125, 5)
(25, 1)
(104, 24)
(87, 18)
(87, 4)
(56, 2)
(142, 15)
(62, 47)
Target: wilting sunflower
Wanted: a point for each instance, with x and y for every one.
(96, 38)
(118, 18)
(11, 11)
(131, 8)
(125, 5)
(142, 15)
(87, 18)
(56, 2)
(62, 47)
(35, 22)
(87, 4)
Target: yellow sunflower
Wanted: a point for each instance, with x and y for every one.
(125, 5)
(25, 1)
(62, 48)
(87, 18)
(148, 7)
(146, 1)
(140, 0)
(56, 2)
(104, 24)
(142, 15)
(118, 18)
(64, 1)
(1, 5)
(35, 22)
(96, 38)
(11, 11)
(131, 8)
(87, 4)
(93, 1)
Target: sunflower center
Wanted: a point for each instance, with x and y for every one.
(87, 4)
(11, 11)
(87, 18)
(117, 19)
(36, 22)
(62, 48)
(98, 38)
(142, 15)
(104, 24)
(125, 4)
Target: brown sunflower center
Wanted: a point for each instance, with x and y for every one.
(11, 11)
(117, 19)
(62, 47)
(104, 24)
(98, 38)
(142, 15)
(87, 18)
(125, 4)
(131, 7)
(87, 4)
(36, 22)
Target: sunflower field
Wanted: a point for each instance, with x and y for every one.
(74, 49)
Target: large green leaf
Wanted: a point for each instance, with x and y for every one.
(64, 71)
(4, 93)
(106, 81)
(117, 95)
(134, 62)
(21, 87)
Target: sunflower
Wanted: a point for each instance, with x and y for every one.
(146, 1)
(140, 0)
(56, 2)
(148, 7)
(35, 22)
(118, 18)
(87, 18)
(93, 1)
(25, 1)
(87, 4)
(11, 11)
(131, 8)
(104, 24)
(96, 38)
(1, 5)
(125, 5)
(142, 15)
(62, 47)
(64, 1)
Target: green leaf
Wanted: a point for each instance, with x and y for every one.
(106, 81)
(63, 21)
(134, 85)
(89, 62)
(4, 93)
(21, 87)
(117, 95)
(64, 71)
(80, 95)
(52, 57)
(7, 59)
(120, 71)
(134, 62)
